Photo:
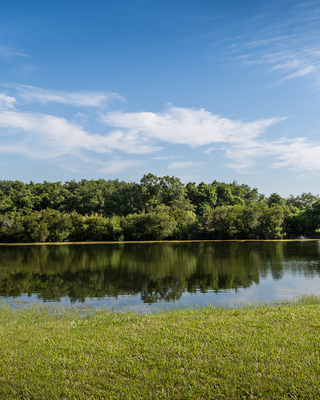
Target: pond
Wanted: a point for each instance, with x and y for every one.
(145, 277)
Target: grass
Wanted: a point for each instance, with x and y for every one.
(251, 352)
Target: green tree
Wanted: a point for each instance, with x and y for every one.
(306, 223)
(157, 224)
(225, 196)
(187, 226)
(223, 222)
(272, 222)
(302, 202)
(35, 229)
(275, 199)
(203, 196)
(58, 224)
(150, 191)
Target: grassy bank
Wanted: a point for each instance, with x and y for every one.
(262, 352)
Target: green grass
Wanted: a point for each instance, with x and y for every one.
(252, 352)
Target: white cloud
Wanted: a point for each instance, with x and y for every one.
(298, 155)
(43, 136)
(186, 126)
(287, 65)
(78, 99)
(302, 72)
(6, 102)
(49, 136)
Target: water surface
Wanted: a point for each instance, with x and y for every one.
(149, 276)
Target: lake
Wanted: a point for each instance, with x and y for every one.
(145, 277)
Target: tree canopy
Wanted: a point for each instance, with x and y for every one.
(156, 208)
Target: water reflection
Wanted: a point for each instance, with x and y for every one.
(154, 272)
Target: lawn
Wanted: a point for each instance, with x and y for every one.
(251, 352)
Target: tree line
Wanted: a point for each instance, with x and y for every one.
(156, 208)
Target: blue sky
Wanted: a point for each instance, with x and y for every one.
(202, 90)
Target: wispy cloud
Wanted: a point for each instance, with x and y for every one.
(302, 72)
(242, 143)
(287, 43)
(7, 52)
(298, 155)
(6, 102)
(33, 94)
(192, 127)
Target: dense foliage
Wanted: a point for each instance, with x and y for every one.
(157, 208)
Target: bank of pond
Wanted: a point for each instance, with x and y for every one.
(257, 352)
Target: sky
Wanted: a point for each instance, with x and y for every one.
(203, 90)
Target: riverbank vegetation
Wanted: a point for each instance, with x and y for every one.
(257, 352)
(157, 208)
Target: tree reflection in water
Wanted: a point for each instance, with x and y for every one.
(155, 271)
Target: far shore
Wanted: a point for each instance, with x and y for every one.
(160, 241)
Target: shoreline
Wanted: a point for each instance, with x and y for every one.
(160, 241)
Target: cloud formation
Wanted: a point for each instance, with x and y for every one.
(243, 144)
(287, 42)
(186, 126)
(6, 102)
(45, 136)
(33, 94)
(298, 155)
